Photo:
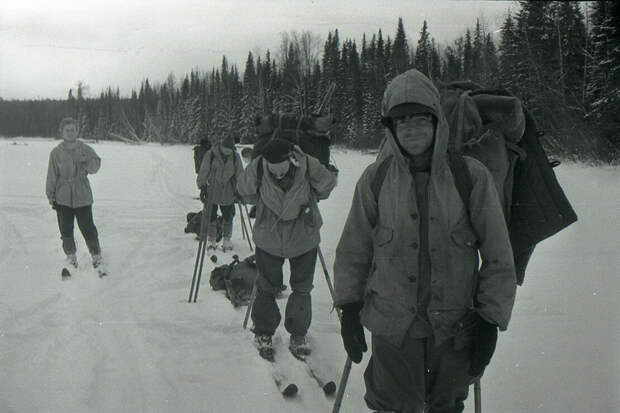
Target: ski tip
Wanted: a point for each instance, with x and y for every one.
(329, 388)
(290, 390)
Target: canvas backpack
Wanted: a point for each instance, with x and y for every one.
(311, 133)
(237, 278)
(493, 127)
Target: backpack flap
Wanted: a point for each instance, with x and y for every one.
(539, 207)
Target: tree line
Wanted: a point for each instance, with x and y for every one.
(560, 58)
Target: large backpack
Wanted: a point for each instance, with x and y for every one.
(493, 127)
(311, 133)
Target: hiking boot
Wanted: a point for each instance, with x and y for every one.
(96, 260)
(72, 260)
(227, 245)
(211, 244)
(299, 346)
(265, 346)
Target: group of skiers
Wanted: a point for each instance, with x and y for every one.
(407, 263)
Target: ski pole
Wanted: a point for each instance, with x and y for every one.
(199, 253)
(248, 215)
(203, 231)
(342, 385)
(477, 396)
(250, 304)
(347, 364)
(245, 228)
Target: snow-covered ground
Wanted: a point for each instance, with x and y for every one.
(131, 342)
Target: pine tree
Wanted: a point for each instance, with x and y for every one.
(423, 51)
(603, 91)
(400, 50)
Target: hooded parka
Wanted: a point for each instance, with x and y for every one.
(67, 182)
(220, 175)
(287, 223)
(377, 260)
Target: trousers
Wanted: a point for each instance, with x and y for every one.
(417, 375)
(84, 215)
(298, 314)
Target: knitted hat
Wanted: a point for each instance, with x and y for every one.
(277, 150)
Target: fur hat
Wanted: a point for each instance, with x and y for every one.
(277, 150)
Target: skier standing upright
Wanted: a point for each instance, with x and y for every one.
(69, 193)
(407, 265)
(285, 184)
(218, 174)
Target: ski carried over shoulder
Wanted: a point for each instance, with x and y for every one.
(328, 386)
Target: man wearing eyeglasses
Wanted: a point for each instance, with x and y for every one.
(407, 266)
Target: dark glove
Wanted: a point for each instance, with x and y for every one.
(53, 204)
(352, 331)
(484, 341)
(203, 194)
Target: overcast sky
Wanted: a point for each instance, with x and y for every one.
(47, 46)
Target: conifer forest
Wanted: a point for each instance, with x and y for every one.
(562, 58)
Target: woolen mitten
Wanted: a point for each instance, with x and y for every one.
(352, 331)
(484, 342)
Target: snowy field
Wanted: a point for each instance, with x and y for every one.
(131, 342)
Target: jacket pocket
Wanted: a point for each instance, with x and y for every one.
(464, 237)
(383, 235)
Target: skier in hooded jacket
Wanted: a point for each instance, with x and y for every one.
(285, 184)
(219, 170)
(69, 193)
(407, 264)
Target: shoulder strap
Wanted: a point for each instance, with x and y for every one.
(462, 177)
(380, 174)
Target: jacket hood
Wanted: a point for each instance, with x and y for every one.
(414, 87)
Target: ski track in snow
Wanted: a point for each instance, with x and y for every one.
(130, 342)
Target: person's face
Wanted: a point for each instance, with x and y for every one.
(415, 133)
(278, 170)
(69, 132)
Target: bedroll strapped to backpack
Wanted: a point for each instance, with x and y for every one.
(493, 127)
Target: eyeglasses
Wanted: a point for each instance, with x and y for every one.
(416, 119)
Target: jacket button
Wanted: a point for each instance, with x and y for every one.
(414, 245)
(412, 278)
(414, 215)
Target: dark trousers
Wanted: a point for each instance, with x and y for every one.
(84, 215)
(228, 212)
(298, 313)
(417, 375)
